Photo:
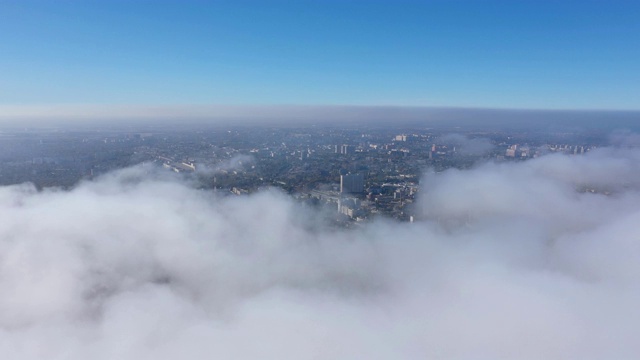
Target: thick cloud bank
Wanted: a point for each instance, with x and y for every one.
(530, 260)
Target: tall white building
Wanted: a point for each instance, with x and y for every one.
(352, 183)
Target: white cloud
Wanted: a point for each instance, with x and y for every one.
(237, 162)
(510, 262)
(465, 145)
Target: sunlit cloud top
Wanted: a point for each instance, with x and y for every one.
(507, 261)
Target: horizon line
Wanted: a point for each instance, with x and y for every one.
(78, 114)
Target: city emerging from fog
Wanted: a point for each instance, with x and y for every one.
(319, 179)
(361, 171)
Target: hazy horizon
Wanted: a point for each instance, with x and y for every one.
(304, 115)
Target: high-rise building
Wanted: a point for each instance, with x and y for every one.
(352, 183)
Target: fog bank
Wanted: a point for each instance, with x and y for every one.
(526, 260)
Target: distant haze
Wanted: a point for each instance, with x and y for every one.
(314, 114)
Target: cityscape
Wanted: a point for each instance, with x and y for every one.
(319, 180)
(363, 172)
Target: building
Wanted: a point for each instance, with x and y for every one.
(349, 207)
(352, 183)
(346, 149)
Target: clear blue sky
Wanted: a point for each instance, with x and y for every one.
(505, 54)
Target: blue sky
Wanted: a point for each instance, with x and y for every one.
(496, 54)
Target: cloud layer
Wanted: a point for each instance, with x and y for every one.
(465, 145)
(523, 260)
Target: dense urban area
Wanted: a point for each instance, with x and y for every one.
(359, 171)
